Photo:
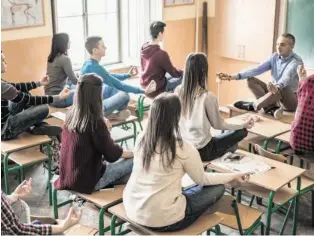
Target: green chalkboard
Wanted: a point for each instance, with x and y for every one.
(300, 23)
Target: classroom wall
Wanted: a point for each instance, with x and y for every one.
(180, 41)
(26, 49)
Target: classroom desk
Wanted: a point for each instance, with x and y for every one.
(287, 117)
(265, 127)
(272, 181)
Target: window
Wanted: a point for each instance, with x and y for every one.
(123, 24)
(83, 18)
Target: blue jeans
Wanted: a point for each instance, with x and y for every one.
(66, 102)
(116, 173)
(22, 118)
(172, 83)
(114, 99)
(198, 200)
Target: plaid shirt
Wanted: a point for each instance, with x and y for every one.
(302, 132)
(10, 224)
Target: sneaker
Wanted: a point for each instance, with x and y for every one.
(278, 113)
(120, 115)
(45, 129)
(243, 105)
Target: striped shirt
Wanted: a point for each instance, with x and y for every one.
(17, 93)
(10, 224)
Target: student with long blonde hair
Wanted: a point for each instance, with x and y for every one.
(153, 196)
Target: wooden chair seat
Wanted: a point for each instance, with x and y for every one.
(248, 215)
(122, 122)
(283, 195)
(81, 230)
(23, 141)
(28, 156)
(105, 197)
(205, 222)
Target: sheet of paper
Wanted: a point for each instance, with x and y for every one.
(245, 165)
(59, 115)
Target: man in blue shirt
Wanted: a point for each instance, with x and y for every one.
(115, 92)
(281, 92)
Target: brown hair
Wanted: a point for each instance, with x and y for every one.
(87, 108)
(91, 43)
(194, 81)
(162, 131)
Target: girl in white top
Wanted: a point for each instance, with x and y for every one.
(153, 196)
(200, 112)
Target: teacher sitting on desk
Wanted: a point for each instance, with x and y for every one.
(280, 93)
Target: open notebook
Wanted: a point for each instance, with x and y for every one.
(59, 115)
(240, 163)
(233, 162)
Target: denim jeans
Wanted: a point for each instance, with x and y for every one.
(198, 200)
(114, 99)
(221, 144)
(66, 102)
(116, 173)
(172, 83)
(22, 118)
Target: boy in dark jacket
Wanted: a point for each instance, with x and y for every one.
(155, 63)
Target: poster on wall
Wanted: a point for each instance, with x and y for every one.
(21, 14)
(174, 3)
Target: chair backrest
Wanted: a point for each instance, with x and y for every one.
(262, 152)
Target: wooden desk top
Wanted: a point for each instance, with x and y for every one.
(273, 179)
(23, 141)
(265, 127)
(284, 137)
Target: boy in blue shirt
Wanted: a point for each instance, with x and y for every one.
(115, 91)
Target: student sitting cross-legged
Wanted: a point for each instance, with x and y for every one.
(87, 144)
(22, 112)
(59, 70)
(153, 196)
(115, 91)
(16, 218)
(156, 66)
(200, 112)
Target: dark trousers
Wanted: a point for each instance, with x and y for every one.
(22, 118)
(221, 144)
(198, 200)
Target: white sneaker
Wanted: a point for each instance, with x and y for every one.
(278, 113)
(120, 115)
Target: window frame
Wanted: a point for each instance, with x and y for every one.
(85, 29)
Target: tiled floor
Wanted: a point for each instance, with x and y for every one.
(38, 203)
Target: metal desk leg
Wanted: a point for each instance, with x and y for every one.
(296, 208)
(269, 211)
